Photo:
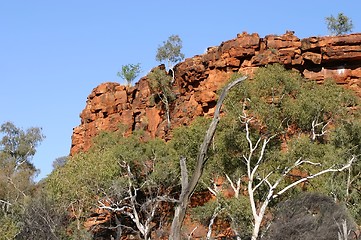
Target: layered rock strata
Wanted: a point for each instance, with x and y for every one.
(197, 80)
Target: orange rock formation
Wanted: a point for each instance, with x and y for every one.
(197, 80)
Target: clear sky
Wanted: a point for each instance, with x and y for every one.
(53, 53)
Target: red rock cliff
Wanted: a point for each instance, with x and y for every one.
(198, 78)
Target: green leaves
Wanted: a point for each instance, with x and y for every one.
(8, 228)
(340, 25)
(322, 103)
(235, 211)
(129, 72)
(86, 176)
(312, 122)
(264, 97)
(170, 51)
(278, 98)
(17, 147)
(308, 121)
(160, 84)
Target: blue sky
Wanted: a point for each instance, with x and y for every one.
(53, 53)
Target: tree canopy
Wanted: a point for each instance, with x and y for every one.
(17, 147)
(339, 25)
(129, 72)
(170, 52)
(278, 135)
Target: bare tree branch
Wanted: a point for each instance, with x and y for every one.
(253, 163)
(213, 191)
(216, 211)
(201, 161)
(316, 124)
(5, 202)
(14, 185)
(142, 213)
(348, 165)
(236, 188)
(190, 235)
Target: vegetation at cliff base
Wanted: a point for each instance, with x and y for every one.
(281, 139)
(17, 147)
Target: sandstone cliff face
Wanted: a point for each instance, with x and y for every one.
(197, 80)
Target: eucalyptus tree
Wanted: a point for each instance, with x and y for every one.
(170, 52)
(339, 25)
(281, 124)
(17, 148)
(277, 135)
(129, 72)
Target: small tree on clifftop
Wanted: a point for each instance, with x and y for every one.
(170, 52)
(129, 72)
(340, 25)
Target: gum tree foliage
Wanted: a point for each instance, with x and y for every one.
(285, 123)
(278, 122)
(17, 147)
(129, 72)
(99, 178)
(301, 120)
(235, 211)
(160, 81)
(76, 185)
(339, 25)
(161, 86)
(143, 188)
(347, 138)
(170, 52)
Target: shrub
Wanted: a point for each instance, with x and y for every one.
(308, 217)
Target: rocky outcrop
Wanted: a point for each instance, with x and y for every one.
(111, 106)
(198, 79)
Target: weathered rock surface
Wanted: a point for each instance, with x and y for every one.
(197, 80)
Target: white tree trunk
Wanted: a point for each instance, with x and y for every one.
(252, 167)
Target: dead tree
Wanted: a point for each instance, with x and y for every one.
(188, 185)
